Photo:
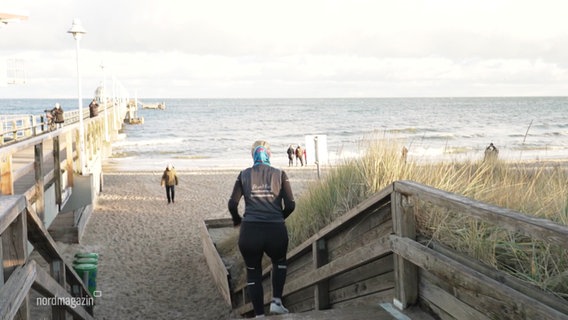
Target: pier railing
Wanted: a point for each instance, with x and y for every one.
(61, 284)
(19, 127)
(374, 254)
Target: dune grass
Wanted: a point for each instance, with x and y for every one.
(533, 190)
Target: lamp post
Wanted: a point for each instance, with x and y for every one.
(78, 31)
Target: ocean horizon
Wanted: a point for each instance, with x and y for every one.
(218, 133)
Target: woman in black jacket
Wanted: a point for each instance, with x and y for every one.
(268, 202)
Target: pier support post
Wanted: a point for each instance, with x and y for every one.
(57, 170)
(39, 180)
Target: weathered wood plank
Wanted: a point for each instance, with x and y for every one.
(361, 231)
(39, 184)
(15, 291)
(495, 299)
(6, 175)
(321, 289)
(542, 229)
(352, 260)
(375, 268)
(362, 288)
(39, 237)
(504, 278)
(405, 273)
(11, 207)
(14, 245)
(216, 265)
(57, 170)
(300, 301)
(449, 303)
(57, 271)
(377, 200)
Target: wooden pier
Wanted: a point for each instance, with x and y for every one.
(374, 256)
(48, 188)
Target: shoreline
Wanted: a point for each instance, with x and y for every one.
(117, 168)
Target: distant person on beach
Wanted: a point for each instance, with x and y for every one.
(404, 154)
(170, 181)
(299, 155)
(491, 153)
(268, 202)
(290, 153)
(93, 108)
(57, 115)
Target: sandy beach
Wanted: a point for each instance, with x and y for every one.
(151, 264)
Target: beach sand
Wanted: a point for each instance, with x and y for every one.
(151, 263)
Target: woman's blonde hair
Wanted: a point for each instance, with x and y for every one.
(259, 143)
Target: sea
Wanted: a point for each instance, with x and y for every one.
(218, 133)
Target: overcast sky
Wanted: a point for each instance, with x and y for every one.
(292, 48)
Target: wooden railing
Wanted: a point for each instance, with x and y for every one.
(18, 225)
(374, 254)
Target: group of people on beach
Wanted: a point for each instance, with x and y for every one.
(299, 153)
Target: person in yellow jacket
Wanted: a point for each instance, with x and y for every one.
(170, 180)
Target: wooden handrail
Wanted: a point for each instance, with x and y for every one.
(485, 288)
(541, 229)
(471, 280)
(16, 289)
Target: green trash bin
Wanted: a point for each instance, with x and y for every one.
(92, 255)
(85, 261)
(88, 272)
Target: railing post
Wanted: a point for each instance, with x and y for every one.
(321, 289)
(405, 273)
(57, 269)
(14, 254)
(6, 175)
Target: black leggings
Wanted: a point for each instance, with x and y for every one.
(257, 238)
(170, 193)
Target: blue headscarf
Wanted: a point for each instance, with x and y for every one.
(261, 155)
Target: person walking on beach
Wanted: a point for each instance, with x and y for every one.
(170, 181)
(290, 153)
(268, 202)
(491, 152)
(299, 155)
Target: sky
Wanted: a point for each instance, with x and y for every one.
(289, 49)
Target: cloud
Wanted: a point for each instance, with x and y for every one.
(255, 48)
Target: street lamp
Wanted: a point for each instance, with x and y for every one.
(78, 31)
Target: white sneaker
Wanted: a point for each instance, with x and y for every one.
(277, 308)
